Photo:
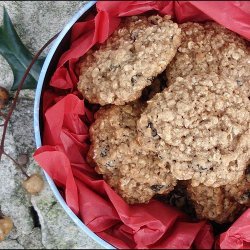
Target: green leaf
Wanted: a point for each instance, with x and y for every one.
(17, 55)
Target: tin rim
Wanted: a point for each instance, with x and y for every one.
(36, 123)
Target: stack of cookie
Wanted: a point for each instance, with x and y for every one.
(116, 74)
(147, 139)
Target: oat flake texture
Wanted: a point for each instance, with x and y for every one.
(208, 48)
(128, 61)
(201, 126)
(221, 204)
(135, 174)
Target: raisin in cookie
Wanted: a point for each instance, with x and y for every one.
(209, 47)
(128, 61)
(201, 126)
(136, 175)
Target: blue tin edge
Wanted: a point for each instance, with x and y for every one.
(58, 196)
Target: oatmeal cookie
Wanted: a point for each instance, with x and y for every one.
(114, 125)
(240, 191)
(136, 175)
(209, 47)
(222, 204)
(128, 61)
(213, 204)
(201, 126)
(141, 175)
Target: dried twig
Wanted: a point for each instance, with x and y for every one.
(17, 164)
(13, 106)
(3, 115)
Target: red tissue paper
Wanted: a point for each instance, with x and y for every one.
(66, 120)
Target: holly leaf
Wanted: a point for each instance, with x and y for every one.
(17, 55)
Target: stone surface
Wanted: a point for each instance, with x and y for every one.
(39, 221)
(10, 244)
(36, 22)
(55, 224)
(22, 126)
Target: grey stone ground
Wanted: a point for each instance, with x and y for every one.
(35, 22)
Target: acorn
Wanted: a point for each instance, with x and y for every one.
(34, 184)
(4, 97)
(6, 226)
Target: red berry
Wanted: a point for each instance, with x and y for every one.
(4, 97)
